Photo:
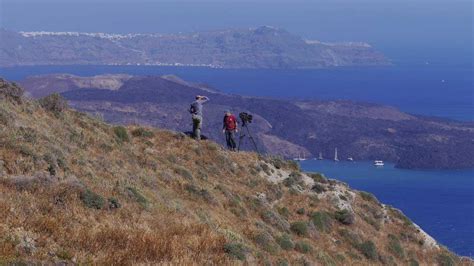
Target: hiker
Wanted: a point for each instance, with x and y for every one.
(196, 113)
(229, 128)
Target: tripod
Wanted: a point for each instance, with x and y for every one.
(243, 135)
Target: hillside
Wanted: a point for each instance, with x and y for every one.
(282, 127)
(262, 47)
(75, 189)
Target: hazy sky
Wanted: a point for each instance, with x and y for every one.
(406, 30)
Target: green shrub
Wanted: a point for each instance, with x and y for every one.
(277, 162)
(322, 221)
(64, 255)
(301, 211)
(121, 134)
(236, 250)
(395, 247)
(345, 217)
(303, 247)
(413, 262)
(266, 242)
(368, 249)
(340, 257)
(368, 196)
(201, 192)
(282, 262)
(352, 238)
(295, 178)
(91, 199)
(371, 221)
(184, 172)
(285, 242)
(317, 177)
(318, 188)
(325, 259)
(300, 228)
(265, 168)
(293, 165)
(445, 260)
(274, 219)
(114, 203)
(141, 132)
(135, 194)
(283, 211)
(399, 214)
(212, 146)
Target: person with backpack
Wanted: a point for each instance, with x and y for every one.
(229, 129)
(196, 114)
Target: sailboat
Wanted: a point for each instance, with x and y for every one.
(335, 156)
(320, 156)
(299, 158)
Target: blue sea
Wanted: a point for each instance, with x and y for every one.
(441, 202)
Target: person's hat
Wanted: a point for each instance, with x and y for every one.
(227, 112)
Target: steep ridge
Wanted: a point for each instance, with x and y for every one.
(282, 127)
(77, 190)
(262, 47)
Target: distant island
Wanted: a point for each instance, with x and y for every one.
(262, 47)
(289, 128)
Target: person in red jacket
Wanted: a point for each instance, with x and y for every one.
(229, 129)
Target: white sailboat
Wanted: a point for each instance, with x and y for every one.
(335, 156)
(350, 159)
(320, 157)
(299, 158)
(304, 157)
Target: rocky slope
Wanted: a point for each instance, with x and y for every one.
(286, 128)
(263, 47)
(74, 189)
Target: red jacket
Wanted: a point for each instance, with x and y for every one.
(230, 122)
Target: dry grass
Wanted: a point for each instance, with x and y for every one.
(181, 201)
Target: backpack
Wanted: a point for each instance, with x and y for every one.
(230, 122)
(192, 109)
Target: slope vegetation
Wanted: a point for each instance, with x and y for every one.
(75, 189)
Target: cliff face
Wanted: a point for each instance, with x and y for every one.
(75, 189)
(263, 47)
(286, 128)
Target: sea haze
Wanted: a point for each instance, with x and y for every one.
(440, 202)
(422, 89)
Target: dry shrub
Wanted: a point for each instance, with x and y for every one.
(54, 103)
(10, 91)
(29, 183)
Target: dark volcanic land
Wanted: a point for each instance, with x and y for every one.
(288, 128)
(262, 47)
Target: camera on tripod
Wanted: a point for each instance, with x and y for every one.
(246, 118)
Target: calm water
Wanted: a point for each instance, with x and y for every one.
(441, 202)
(428, 90)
